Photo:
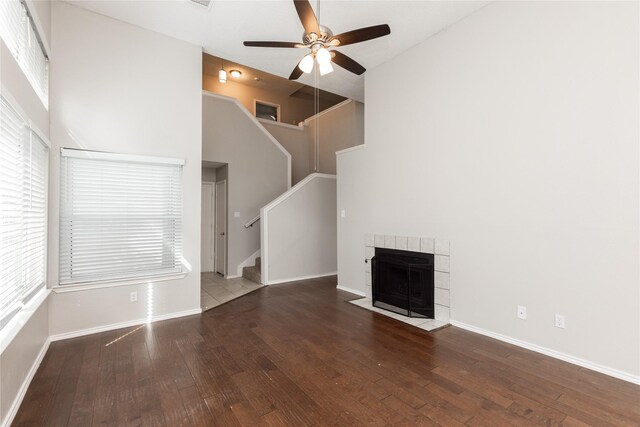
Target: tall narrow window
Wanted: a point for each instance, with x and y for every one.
(120, 217)
(23, 209)
(21, 37)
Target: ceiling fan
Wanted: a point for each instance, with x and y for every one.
(319, 39)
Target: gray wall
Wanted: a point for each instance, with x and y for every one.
(292, 109)
(519, 143)
(336, 129)
(297, 143)
(115, 100)
(301, 232)
(208, 174)
(20, 356)
(257, 171)
(222, 173)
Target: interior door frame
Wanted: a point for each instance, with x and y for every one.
(226, 233)
(213, 222)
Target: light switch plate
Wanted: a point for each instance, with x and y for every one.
(236, 214)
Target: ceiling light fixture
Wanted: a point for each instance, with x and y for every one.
(323, 56)
(222, 74)
(306, 65)
(326, 68)
(235, 73)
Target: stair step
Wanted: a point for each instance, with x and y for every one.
(252, 273)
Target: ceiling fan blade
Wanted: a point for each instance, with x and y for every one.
(296, 73)
(347, 63)
(363, 34)
(307, 17)
(273, 44)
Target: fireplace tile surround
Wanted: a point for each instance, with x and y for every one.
(441, 250)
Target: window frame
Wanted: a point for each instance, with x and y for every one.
(36, 26)
(59, 287)
(17, 322)
(269, 104)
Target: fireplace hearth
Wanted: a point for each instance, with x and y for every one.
(403, 282)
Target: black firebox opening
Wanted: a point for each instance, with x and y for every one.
(403, 282)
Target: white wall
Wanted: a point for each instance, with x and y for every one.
(258, 171)
(20, 358)
(300, 231)
(16, 86)
(119, 88)
(519, 142)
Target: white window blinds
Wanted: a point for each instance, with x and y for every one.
(23, 190)
(120, 217)
(20, 35)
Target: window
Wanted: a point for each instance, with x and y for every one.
(24, 159)
(120, 217)
(19, 34)
(267, 111)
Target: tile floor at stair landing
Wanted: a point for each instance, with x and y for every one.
(216, 290)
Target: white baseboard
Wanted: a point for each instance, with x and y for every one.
(295, 279)
(352, 291)
(635, 379)
(25, 385)
(120, 325)
(232, 277)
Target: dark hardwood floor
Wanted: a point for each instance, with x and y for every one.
(298, 354)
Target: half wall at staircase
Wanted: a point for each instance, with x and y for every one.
(259, 170)
(299, 232)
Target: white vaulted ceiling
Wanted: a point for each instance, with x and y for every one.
(221, 29)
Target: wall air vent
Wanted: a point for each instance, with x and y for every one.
(203, 3)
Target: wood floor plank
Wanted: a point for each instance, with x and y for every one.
(299, 354)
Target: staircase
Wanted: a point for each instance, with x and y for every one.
(253, 273)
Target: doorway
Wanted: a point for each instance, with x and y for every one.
(207, 245)
(221, 227)
(215, 287)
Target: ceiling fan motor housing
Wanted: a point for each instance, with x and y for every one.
(317, 41)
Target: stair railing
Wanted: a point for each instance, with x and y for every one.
(252, 221)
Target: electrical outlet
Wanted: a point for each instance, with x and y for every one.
(133, 296)
(522, 312)
(559, 321)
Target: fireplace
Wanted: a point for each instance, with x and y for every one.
(403, 282)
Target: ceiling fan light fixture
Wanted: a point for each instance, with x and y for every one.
(326, 68)
(306, 65)
(323, 56)
(222, 76)
(319, 39)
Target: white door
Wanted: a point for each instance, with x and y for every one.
(206, 228)
(221, 227)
